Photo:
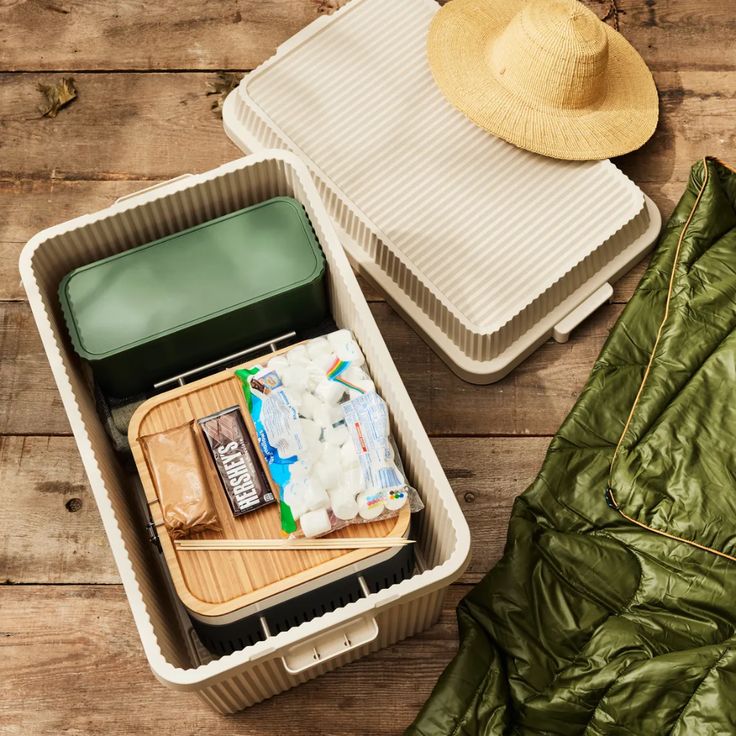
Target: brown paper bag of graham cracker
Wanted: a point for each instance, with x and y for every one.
(174, 460)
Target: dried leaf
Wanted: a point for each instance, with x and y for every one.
(58, 95)
(327, 7)
(607, 10)
(222, 85)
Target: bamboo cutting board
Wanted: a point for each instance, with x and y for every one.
(215, 583)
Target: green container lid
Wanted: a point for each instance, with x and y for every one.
(253, 264)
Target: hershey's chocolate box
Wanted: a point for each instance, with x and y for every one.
(236, 460)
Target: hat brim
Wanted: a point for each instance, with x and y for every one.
(622, 121)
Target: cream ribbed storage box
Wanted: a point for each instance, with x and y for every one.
(486, 249)
(304, 651)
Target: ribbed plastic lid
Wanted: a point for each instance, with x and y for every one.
(484, 237)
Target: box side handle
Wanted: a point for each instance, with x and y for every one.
(356, 634)
(157, 185)
(565, 326)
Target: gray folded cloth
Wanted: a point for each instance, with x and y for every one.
(116, 415)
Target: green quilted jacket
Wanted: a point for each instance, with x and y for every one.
(613, 610)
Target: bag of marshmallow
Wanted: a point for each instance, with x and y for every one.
(325, 435)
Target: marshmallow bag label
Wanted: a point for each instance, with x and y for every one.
(366, 418)
(325, 434)
(271, 409)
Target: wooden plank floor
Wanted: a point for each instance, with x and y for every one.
(70, 659)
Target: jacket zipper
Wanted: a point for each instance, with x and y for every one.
(609, 493)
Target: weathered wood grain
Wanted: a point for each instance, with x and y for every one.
(156, 126)
(532, 400)
(84, 34)
(72, 663)
(696, 110)
(624, 288)
(29, 401)
(57, 536)
(53, 533)
(36, 204)
(10, 286)
(122, 126)
(487, 474)
(133, 35)
(678, 34)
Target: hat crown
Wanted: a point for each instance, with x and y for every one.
(553, 54)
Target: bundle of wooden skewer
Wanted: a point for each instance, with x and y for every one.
(230, 545)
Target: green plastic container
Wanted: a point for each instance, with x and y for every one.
(168, 306)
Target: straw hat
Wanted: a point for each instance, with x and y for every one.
(545, 75)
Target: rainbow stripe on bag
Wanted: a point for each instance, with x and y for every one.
(339, 367)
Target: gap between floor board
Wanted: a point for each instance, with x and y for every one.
(181, 70)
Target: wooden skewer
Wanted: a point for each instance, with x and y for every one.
(201, 545)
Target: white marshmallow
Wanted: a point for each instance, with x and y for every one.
(324, 362)
(288, 494)
(310, 432)
(306, 494)
(313, 376)
(339, 338)
(337, 415)
(356, 359)
(344, 507)
(348, 456)
(351, 353)
(352, 480)
(312, 454)
(309, 406)
(298, 356)
(328, 470)
(330, 392)
(353, 374)
(340, 491)
(322, 414)
(298, 471)
(278, 363)
(317, 347)
(315, 496)
(293, 377)
(315, 523)
(336, 436)
(295, 396)
(370, 504)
